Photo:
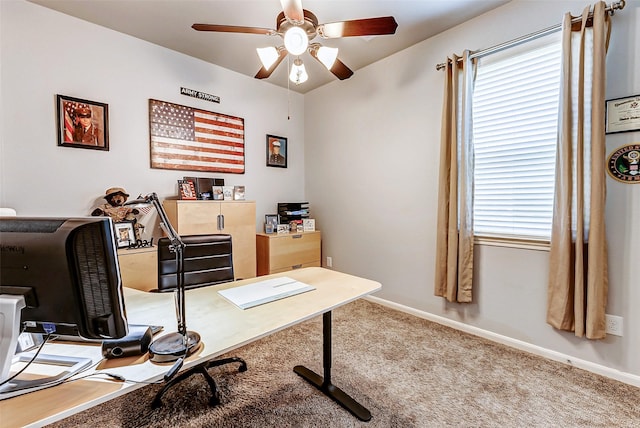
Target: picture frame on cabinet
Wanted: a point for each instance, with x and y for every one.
(82, 123)
(124, 233)
(271, 222)
(238, 193)
(273, 219)
(187, 190)
(217, 193)
(308, 225)
(228, 193)
(196, 185)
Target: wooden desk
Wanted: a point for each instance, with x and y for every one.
(222, 326)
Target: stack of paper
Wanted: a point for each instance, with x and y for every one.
(257, 293)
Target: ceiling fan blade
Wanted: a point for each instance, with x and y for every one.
(339, 69)
(232, 29)
(293, 10)
(359, 27)
(263, 73)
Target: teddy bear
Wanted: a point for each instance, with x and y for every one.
(114, 208)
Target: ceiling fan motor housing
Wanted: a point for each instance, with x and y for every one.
(309, 25)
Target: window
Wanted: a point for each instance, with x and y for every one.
(515, 126)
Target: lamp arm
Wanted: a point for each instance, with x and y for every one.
(165, 224)
(168, 347)
(177, 245)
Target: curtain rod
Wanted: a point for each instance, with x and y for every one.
(619, 5)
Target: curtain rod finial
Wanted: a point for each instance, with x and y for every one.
(617, 5)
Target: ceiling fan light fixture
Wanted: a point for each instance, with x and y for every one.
(298, 73)
(296, 40)
(268, 56)
(327, 56)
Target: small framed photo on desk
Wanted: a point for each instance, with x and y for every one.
(125, 234)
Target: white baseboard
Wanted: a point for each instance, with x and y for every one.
(618, 375)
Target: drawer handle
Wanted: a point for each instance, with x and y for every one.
(296, 236)
(296, 266)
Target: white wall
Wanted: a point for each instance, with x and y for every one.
(45, 53)
(372, 149)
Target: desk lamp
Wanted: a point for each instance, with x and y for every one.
(179, 345)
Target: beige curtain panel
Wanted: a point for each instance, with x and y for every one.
(578, 281)
(454, 246)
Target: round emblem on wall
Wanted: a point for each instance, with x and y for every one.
(624, 163)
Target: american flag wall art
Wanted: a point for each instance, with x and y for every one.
(187, 138)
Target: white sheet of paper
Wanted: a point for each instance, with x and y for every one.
(258, 293)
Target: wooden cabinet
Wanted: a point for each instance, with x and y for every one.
(283, 252)
(236, 218)
(139, 267)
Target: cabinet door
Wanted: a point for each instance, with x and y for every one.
(198, 218)
(237, 219)
(240, 223)
(139, 268)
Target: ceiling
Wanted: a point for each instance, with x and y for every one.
(168, 23)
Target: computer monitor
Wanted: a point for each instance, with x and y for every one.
(58, 276)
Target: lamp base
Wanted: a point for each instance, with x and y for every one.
(170, 347)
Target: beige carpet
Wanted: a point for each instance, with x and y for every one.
(407, 371)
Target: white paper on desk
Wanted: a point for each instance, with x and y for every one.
(257, 293)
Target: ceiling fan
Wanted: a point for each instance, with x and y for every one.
(298, 28)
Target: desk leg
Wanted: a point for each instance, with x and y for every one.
(324, 384)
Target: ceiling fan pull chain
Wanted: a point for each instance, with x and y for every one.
(288, 90)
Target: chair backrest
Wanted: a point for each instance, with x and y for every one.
(208, 260)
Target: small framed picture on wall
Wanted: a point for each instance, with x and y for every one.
(276, 151)
(82, 123)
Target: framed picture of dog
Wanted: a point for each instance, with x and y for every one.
(82, 123)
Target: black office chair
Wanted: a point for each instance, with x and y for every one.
(208, 260)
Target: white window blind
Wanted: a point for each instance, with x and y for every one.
(515, 126)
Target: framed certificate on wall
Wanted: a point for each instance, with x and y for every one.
(623, 115)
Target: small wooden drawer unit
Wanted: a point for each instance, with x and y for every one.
(139, 267)
(282, 252)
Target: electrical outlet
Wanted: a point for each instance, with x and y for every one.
(613, 325)
(329, 262)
